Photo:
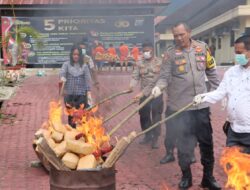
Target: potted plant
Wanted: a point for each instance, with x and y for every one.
(13, 42)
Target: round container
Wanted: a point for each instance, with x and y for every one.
(98, 179)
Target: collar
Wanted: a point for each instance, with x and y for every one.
(192, 46)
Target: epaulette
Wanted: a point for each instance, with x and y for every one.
(169, 48)
(200, 42)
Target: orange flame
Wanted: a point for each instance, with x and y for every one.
(55, 112)
(237, 167)
(55, 116)
(91, 127)
(87, 123)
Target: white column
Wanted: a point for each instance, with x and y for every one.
(247, 21)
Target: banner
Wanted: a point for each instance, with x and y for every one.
(60, 33)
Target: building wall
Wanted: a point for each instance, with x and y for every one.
(226, 53)
(219, 28)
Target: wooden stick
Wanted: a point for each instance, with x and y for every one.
(165, 119)
(61, 91)
(49, 154)
(109, 98)
(119, 149)
(119, 111)
(130, 115)
(123, 143)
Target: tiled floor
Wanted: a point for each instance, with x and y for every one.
(138, 168)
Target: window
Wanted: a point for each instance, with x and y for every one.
(232, 38)
(219, 43)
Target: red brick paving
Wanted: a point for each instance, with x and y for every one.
(139, 167)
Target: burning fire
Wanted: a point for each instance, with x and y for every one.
(237, 167)
(88, 124)
(91, 127)
(55, 113)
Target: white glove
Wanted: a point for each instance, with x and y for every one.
(63, 79)
(198, 99)
(90, 100)
(156, 91)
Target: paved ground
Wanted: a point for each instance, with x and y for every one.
(138, 169)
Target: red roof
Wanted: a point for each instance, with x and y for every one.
(87, 2)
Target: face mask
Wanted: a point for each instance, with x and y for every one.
(241, 59)
(83, 51)
(147, 55)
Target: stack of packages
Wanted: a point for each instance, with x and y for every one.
(106, 57)
(81, 148)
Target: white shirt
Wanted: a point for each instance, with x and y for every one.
(236, 87)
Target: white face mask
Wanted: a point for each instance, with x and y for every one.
(83, 51)
(147, 55)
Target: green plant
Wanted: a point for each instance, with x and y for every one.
(18, 34)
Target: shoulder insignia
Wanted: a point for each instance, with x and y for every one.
(200, 42)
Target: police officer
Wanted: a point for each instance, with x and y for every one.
(89, 61)
(183, 75)
(147, 68)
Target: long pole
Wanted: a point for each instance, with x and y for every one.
(119, 111)
(109, 98)
(131, 114)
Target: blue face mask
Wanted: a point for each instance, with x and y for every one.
(241, 59)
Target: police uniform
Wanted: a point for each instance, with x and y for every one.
(145, 72)
(183, 75)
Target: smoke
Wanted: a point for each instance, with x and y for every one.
(180, 131)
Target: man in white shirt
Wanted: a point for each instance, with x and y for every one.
(235, 86)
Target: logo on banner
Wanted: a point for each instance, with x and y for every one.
(122, 24)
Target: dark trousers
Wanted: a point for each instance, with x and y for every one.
(150, 114)
(75, 101)
(188, 127)
(238, 139)
(171, 133)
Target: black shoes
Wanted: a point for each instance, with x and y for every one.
(185, 183)
(186, 180)
(210, 183)
(169, 157)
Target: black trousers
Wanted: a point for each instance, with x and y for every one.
(186, 129)
(171, 133)
(238, 139)
(150, 114)
(75, 101)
